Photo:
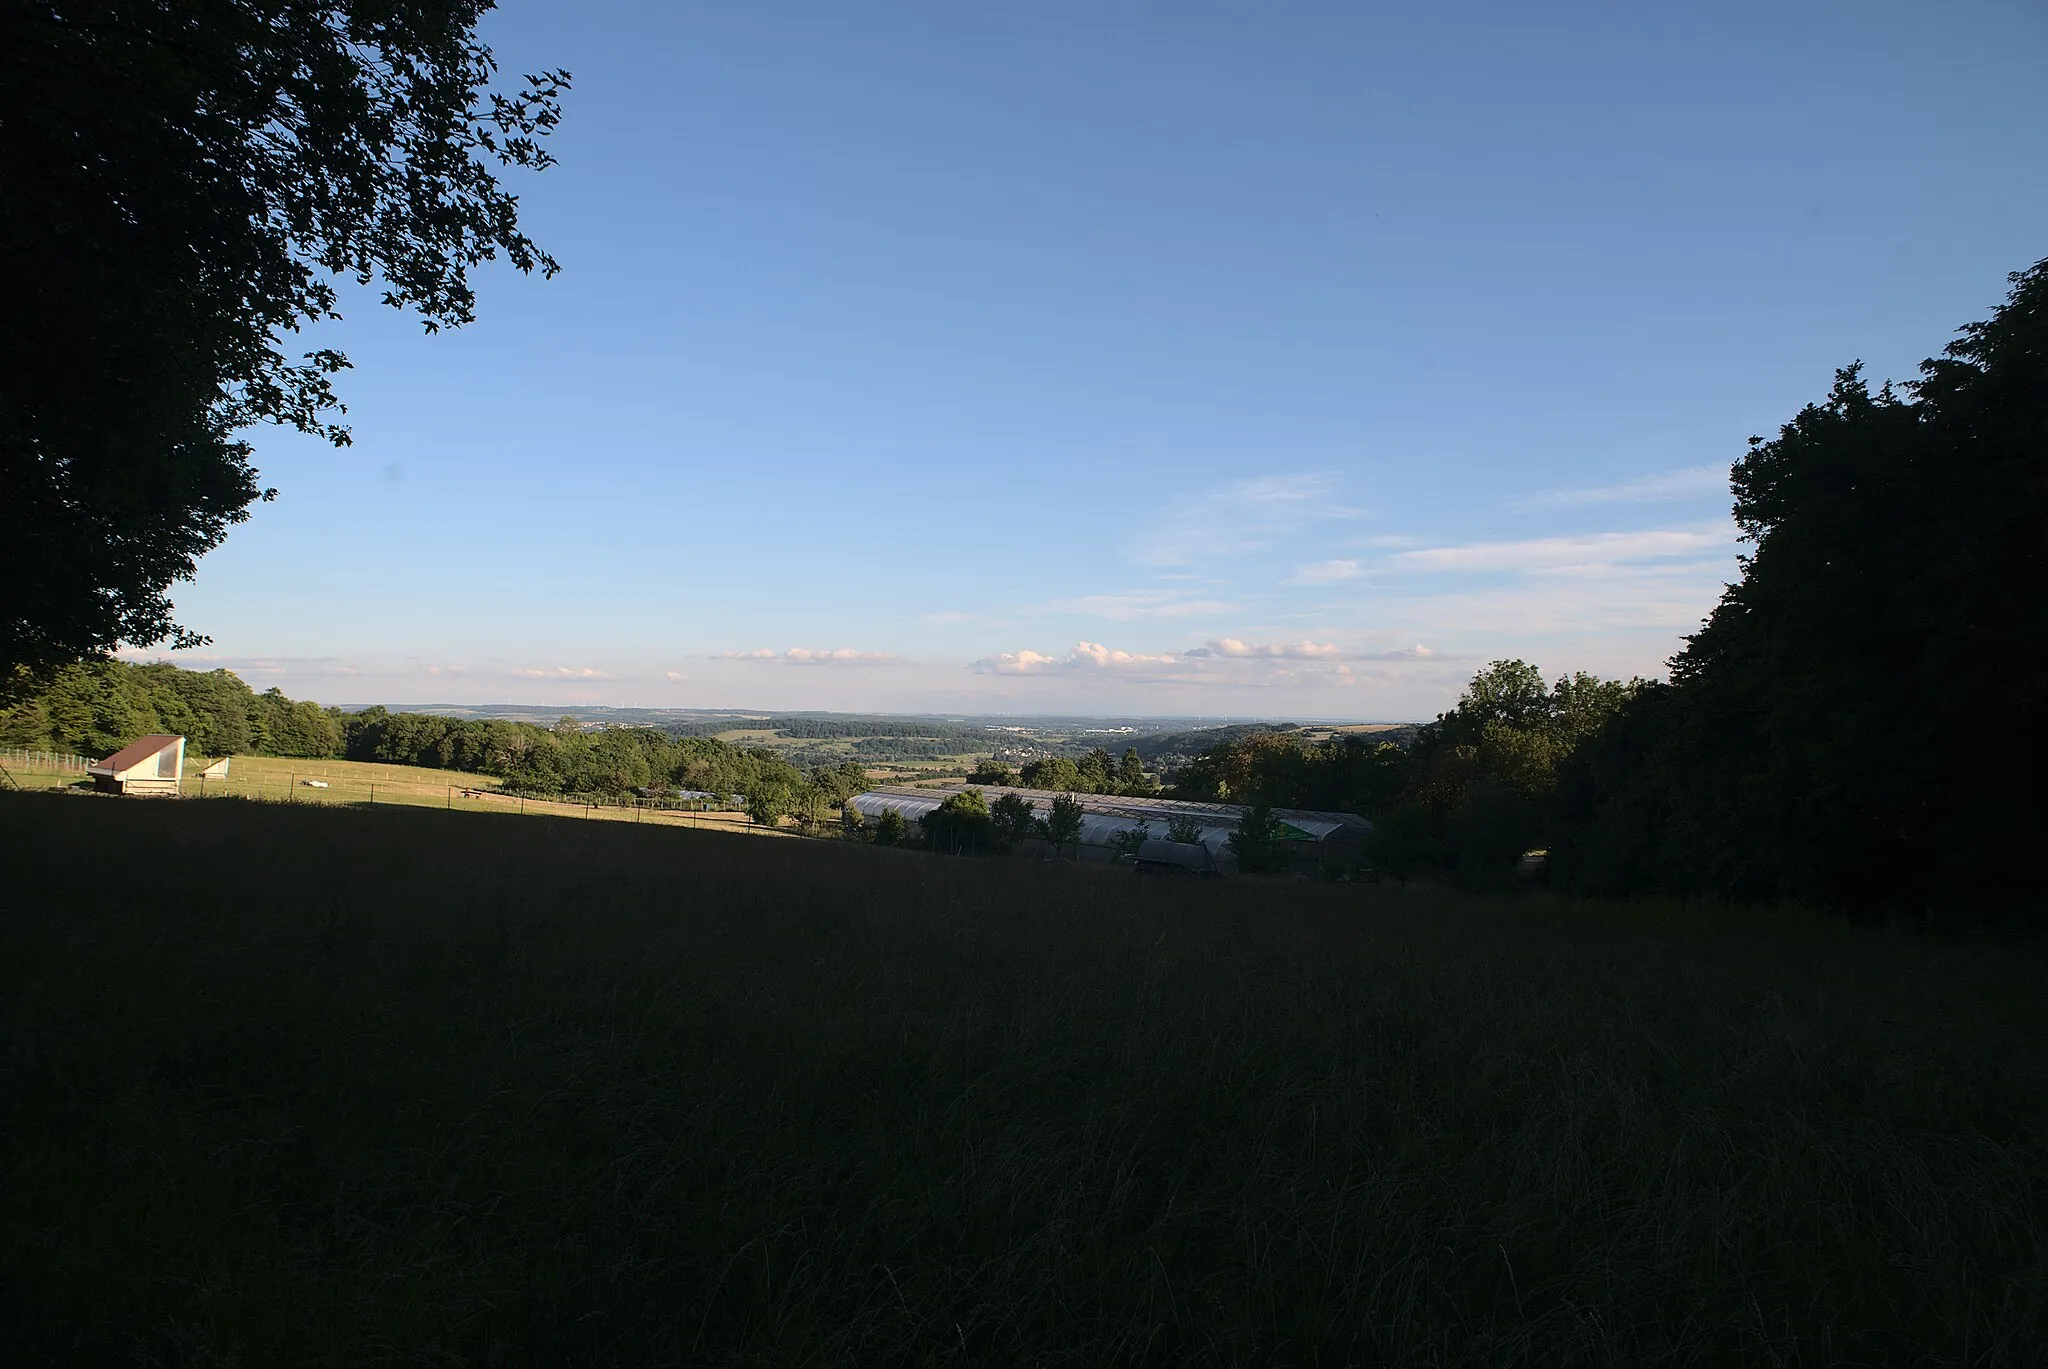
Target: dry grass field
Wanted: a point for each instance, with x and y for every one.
(344, 1085)
(275, 779)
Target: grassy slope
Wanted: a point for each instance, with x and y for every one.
(280, 779)
(425, 1086)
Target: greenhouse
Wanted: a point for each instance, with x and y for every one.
(1332, 838)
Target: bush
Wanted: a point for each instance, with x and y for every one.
(1259, 843)
(962, 825)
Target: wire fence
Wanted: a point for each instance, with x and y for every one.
(43, 760)
(318, 784)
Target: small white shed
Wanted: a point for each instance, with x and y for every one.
(147, 765)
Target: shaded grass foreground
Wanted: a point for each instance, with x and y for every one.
(290, 1086)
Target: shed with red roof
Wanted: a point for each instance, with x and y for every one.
(147, 765)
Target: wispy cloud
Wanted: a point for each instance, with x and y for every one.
(1300, 651)
(1327, 572)
(561, 672)
(268, 667)
(802, 655)
(1690, 482)
(1600, 548)
(1240, 517)
(1129, 605)
(1225, 661)
(1663, 598)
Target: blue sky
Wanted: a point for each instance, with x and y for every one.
(1184, 359)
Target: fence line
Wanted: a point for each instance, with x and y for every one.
(44, 760)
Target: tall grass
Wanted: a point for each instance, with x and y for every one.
(292, 1086)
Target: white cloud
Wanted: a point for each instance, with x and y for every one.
(562, 672)
(1550, 553)
(1688, 483)
(803, 655)
(1084, 657)
(1242, 516)
(1326, 573)
(1299, 651)
(674, 676)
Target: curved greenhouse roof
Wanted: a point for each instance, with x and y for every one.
(1107, 816)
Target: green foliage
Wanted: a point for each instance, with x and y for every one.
(98, 707)
(891, 829)
(1471, 791)
(853, 827)
(810, 804)
(1407, 838)
(184, 185)
(1058, 774)
(1841, 729)
(961, 825)
(1061, 827)
(839, 783)
(992, 772)
(1094, 773)
(1014, 817)
(769, 804)
(1483, 789)
(1260, 843)
(1347, 773)
(1185, 830)
(1129, 841)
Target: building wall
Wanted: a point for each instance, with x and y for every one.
(146, 778)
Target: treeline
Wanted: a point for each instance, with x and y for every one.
(1850, 724)
(97, 707)
(837, 729)
(1096, 772)
(1472, 791)
(1842, 730)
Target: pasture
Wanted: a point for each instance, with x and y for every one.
(342, 1084)
(283, 779)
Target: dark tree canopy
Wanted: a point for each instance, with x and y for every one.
(1842, 730)
(182, 187)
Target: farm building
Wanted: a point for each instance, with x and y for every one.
(1334, 838)
(147, 765)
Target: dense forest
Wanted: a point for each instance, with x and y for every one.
(1834, 732)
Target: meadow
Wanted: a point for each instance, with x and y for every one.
(281, 779)
(291, 1084)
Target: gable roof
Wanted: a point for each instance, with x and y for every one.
(133, 754)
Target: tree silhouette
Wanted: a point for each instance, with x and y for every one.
(185, 185)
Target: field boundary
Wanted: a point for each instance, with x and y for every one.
(44, 760)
